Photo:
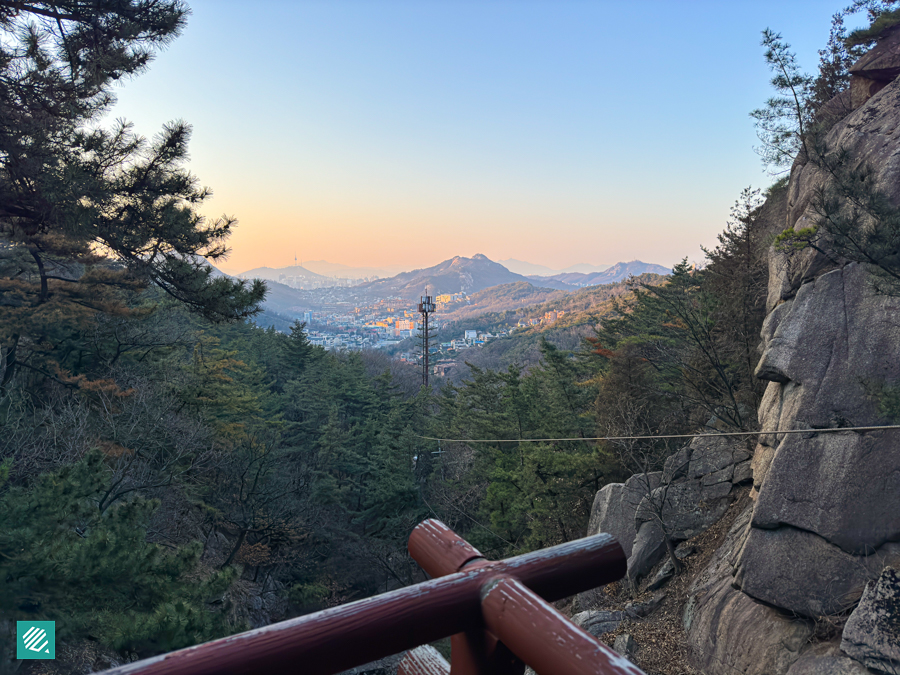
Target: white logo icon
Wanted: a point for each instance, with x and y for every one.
(33, 637)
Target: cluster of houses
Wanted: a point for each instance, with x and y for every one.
(471, 338)
(549, 317)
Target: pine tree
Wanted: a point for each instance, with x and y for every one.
(55, 542)
(89, 214)
(782, 124)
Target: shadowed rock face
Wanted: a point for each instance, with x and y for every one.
(728, 631)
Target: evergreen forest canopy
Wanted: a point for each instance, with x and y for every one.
(164, 458)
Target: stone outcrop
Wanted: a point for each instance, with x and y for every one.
(615, 505)
(876, 69)
(872, 633)
(826, 659)
(868, 135)
(702, 477)
(690, 494)
(801, 572)
(821, 540)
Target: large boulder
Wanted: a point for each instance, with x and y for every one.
(872, 633)
(711, 454)
(686, 508)
(825, 658)
(615, 505)
(801, 571)
(835, 497)
(693, 492)
(649, 549)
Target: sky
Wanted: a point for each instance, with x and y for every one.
(375, 132)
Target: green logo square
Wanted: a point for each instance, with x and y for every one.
(35, 639)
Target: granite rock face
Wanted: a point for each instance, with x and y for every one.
(615, 505)
(868, 136)
(828, 504)
(690, 494)
(649, 549)
(802, 572)
(876, 69)
(826, 659)
(872, 633)
(730, 632)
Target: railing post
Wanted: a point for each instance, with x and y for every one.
(477, 652)
(440, 551)
(517, 616)
(424, 660)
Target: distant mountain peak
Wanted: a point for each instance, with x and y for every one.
(614, 274)
(451, 276)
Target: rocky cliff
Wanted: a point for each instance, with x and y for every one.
(805, 581)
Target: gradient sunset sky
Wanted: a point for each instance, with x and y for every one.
(557, 132)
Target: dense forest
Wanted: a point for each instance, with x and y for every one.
(166, 459)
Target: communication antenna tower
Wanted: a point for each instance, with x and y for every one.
(426, 307)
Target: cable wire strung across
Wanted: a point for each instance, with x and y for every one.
(662, 436)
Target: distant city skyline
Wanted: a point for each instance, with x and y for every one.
(393, 133)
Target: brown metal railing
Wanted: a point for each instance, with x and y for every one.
(496, 612)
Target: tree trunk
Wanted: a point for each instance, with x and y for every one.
(670, 549)
(9, 365)
(237, 546)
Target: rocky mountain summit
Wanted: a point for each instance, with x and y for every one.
(805, 581)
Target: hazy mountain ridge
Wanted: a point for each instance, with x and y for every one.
(501, 307)
(530, 269)
(618, 272)
(278, 273)
(468, 275)
(331, 269)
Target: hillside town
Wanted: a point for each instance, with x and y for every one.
(389, 321)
